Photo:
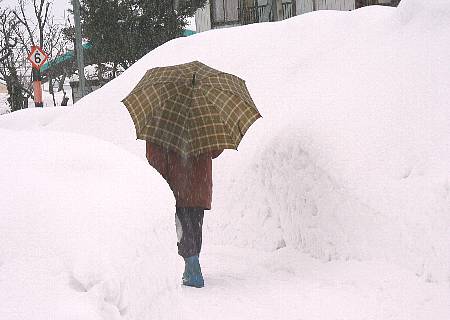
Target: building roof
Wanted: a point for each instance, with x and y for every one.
(69, 55)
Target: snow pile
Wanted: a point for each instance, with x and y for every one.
(85, 230)
(31, 118)
(47, 100)
(354, 162)
(287, 285)
(350, 160)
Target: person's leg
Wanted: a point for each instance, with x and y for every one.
(189, 223)
(197, 223)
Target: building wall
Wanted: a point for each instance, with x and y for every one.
(304, 6)
(203, 18)
(363, 3)
(3, 88)
(225, 11)
(264, 2)
(89, 87)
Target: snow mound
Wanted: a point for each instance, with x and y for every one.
(436, 11)
(85, 229)
(31, 118)
(351, 157)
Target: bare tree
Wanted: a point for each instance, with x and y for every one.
(12, 57)
(18, 33)
(41, 13)
(5, 52)
(55, 44)
(27, 38)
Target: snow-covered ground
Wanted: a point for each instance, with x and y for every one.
(336, 206)
(47, 99)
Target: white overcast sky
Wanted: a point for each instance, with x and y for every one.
(58, 7)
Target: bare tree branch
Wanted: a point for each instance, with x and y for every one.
(41, 17)
(11, 65)
(17, 32)
(23, 20)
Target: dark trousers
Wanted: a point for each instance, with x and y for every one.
(189, 222)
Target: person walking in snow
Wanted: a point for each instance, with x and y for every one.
(190, 178)
(188, 114)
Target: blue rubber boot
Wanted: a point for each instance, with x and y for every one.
(192, 275)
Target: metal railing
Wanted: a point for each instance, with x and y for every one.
(248, 15)
(255, 13)
(364, 3)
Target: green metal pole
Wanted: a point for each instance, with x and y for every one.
(79, 46)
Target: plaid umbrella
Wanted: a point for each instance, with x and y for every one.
(191, 108)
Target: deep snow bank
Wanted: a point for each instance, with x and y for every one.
(351, 157)
(85, 230)
(31, 118)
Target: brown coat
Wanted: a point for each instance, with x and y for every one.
(190, 178)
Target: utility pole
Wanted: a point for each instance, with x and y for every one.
(79, 46)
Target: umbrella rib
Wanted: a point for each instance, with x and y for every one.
(231, 94)
(256, 115)
(250, 102)
(190, 138)
(228, 132)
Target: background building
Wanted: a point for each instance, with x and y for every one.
(3, 88)
(229, 13)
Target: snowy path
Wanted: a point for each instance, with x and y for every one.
(244, 284)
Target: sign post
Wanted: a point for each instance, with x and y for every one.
(37, 57)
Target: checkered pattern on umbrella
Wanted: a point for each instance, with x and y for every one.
(191, 108)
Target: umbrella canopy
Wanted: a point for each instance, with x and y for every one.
(191, 108)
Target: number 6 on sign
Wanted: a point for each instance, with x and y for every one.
(37, 57)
